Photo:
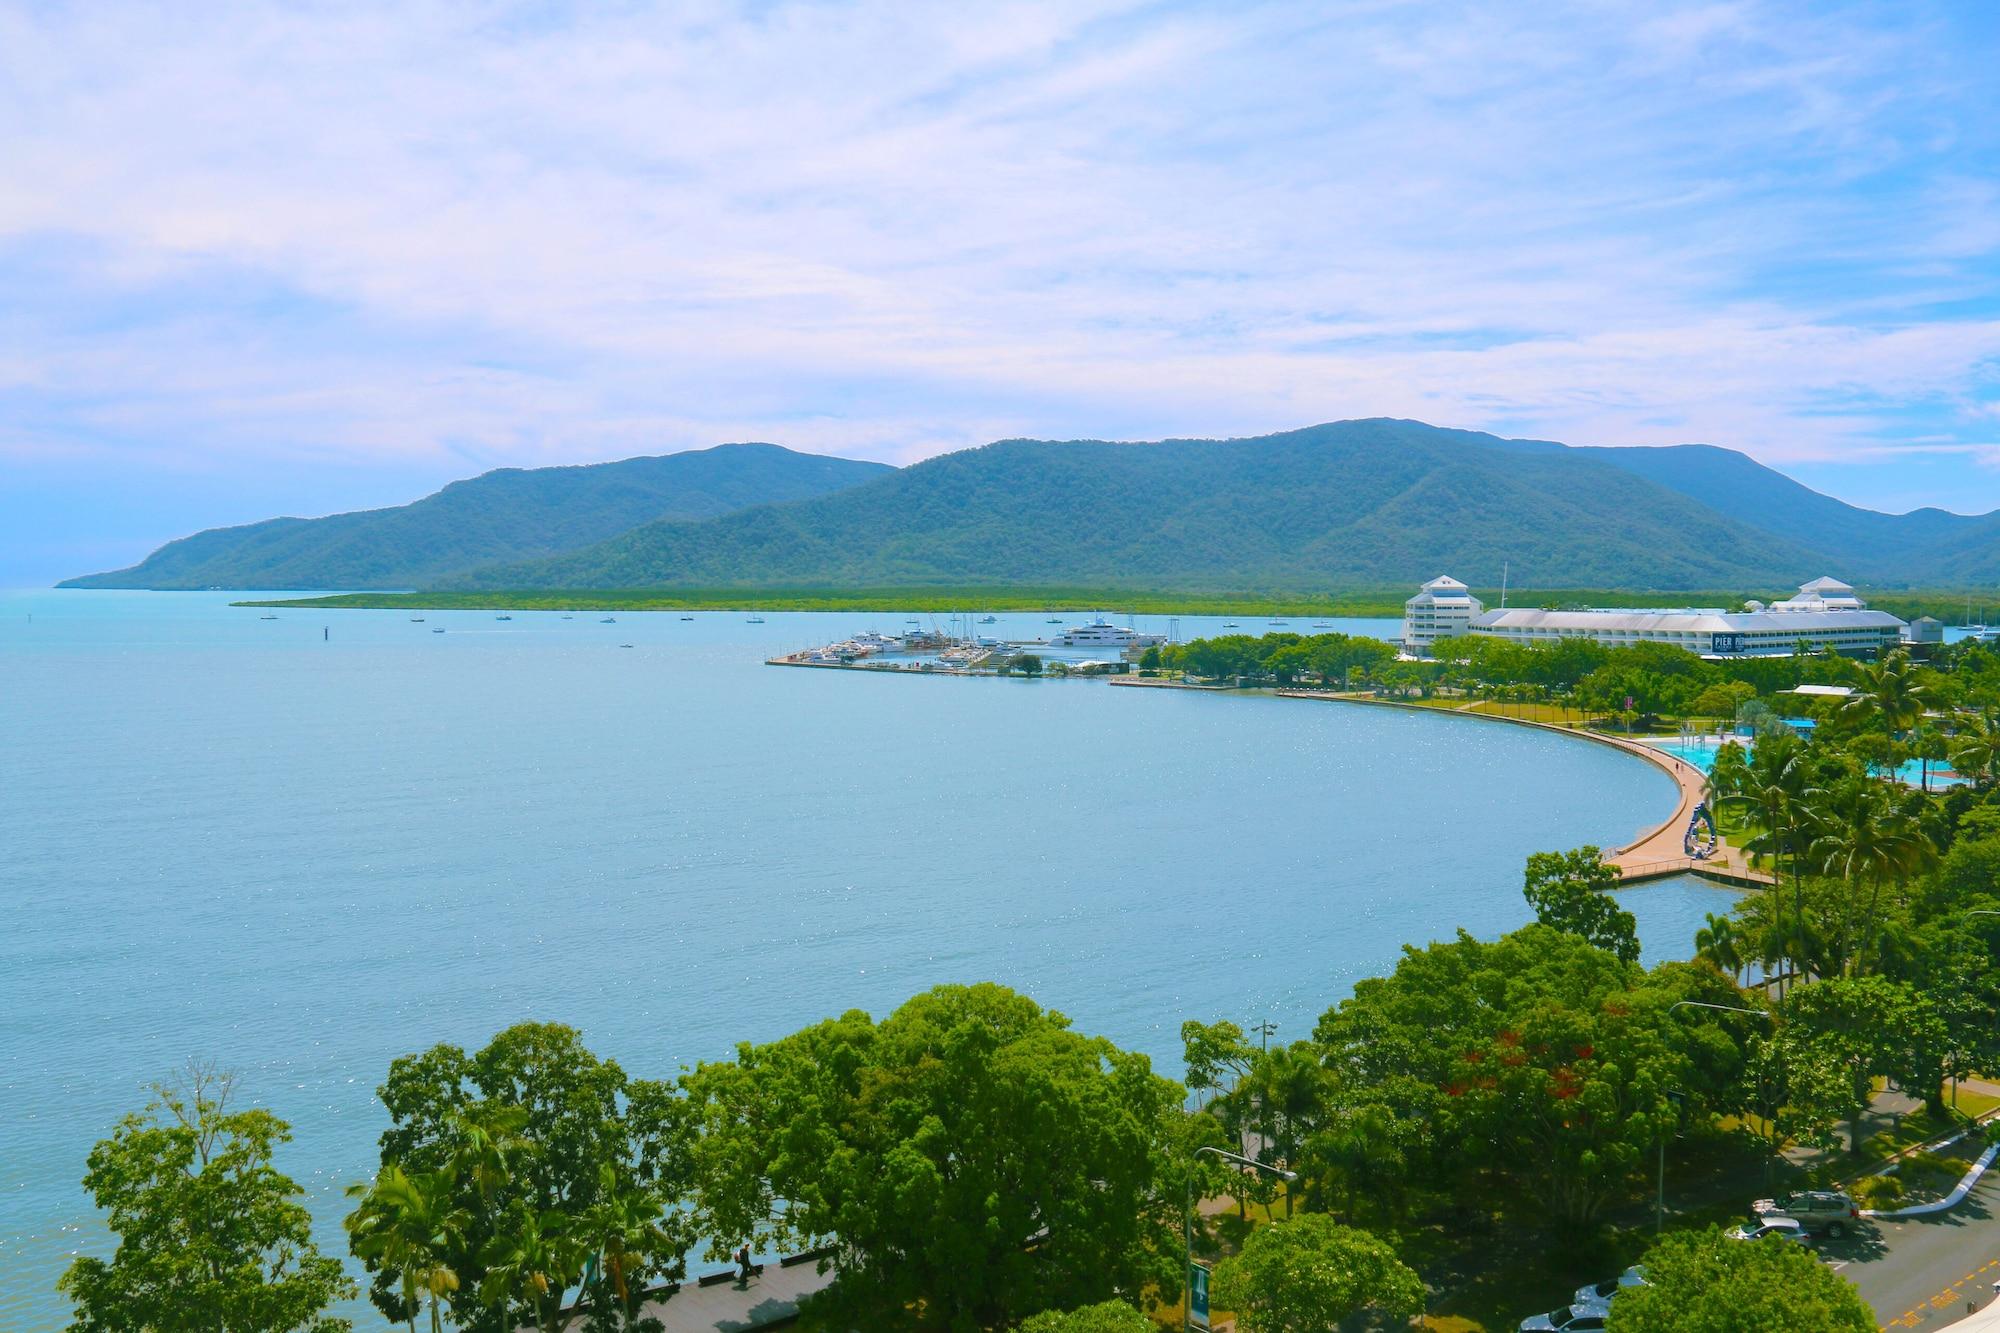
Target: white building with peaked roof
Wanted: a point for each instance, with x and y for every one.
(1443, 609)
(1824, 614)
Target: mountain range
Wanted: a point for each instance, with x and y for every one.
(1366, 503)
(506, 515)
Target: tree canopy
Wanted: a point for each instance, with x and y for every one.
(211, 1235)
(1703, 1282)
(1306, 1274)
(971, 1157)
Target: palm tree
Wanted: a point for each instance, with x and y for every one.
(1719, 943)
(1891, 690)
(408, 1225)
(1772, 782)
(626, 1226)
(1863, 838)
(533, 1261)
(1975, 749)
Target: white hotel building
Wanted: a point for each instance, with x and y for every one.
(1824, 614)
(1442, 609)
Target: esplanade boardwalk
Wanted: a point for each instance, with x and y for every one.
(1823, 614)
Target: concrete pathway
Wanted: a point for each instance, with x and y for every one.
(768, 1300)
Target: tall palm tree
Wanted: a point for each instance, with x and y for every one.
(1773, 783)
(407, 1225)
(1864, 839)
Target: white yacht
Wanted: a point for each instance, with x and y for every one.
(1104, 634)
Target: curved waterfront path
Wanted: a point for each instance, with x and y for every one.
(1657, 853)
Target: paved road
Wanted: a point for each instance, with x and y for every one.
(1919, 1273)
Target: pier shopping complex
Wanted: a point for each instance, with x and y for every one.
(1824, 613)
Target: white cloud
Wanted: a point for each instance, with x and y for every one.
(529, 233)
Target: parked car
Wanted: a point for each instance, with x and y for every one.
(1815, 1210)
(1600, 1293)
(1771, 1228)
(1569, 1319)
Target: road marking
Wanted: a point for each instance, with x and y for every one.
(1944, 1300)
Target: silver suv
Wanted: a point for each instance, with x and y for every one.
(1814, 1210)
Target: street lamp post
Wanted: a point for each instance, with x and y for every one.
(1660, 1199)
(1187, 1218)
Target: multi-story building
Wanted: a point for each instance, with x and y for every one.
(1443, 609)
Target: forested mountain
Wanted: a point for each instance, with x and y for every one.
(1354, 504)
(1374, 502)
(505, 515)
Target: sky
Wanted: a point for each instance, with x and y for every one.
(305, 257)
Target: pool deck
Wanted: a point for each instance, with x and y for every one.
(1657, 853)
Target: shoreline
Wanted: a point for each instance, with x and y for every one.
(1657, 853)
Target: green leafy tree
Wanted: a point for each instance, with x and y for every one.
(211, 1236)
(1837, 1036)
(1106, 1317)
(1571, 891)
(1538, 1056)
(972, 1159)
(1703, 1282)
(559, 1172)
(1306, 1274)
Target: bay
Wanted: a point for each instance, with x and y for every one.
(301, 847)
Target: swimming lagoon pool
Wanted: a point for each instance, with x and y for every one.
(1701, 750)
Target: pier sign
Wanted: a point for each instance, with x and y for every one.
(1197, 1294)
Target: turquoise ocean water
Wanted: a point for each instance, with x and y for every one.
(299, 856)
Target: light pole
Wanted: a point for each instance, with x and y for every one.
(1660, 1199)
(1187, 1218)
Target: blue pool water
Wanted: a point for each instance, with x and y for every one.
(1700, 751)
(301, 847)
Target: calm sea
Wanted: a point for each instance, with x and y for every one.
(300, 847)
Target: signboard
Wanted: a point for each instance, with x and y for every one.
(1725, 643)
(1197, 1294)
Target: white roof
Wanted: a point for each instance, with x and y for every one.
(1444, 583)
(1695, 621)
(1830, 691)
(1825, 584)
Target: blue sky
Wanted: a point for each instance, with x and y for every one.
(297, 258)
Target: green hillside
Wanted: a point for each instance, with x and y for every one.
(1352, 503)
(1926, 547)
(504, 515)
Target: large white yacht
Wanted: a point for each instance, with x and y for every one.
(1104, 634)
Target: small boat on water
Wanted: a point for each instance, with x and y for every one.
(989, 620)
(267, 617)
(438, 630)
(687, 617)
(503, 617)
(608, 620)
(416, 620)
(754, 620)
(569, 617)
(1229, 624)
(624, 645)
